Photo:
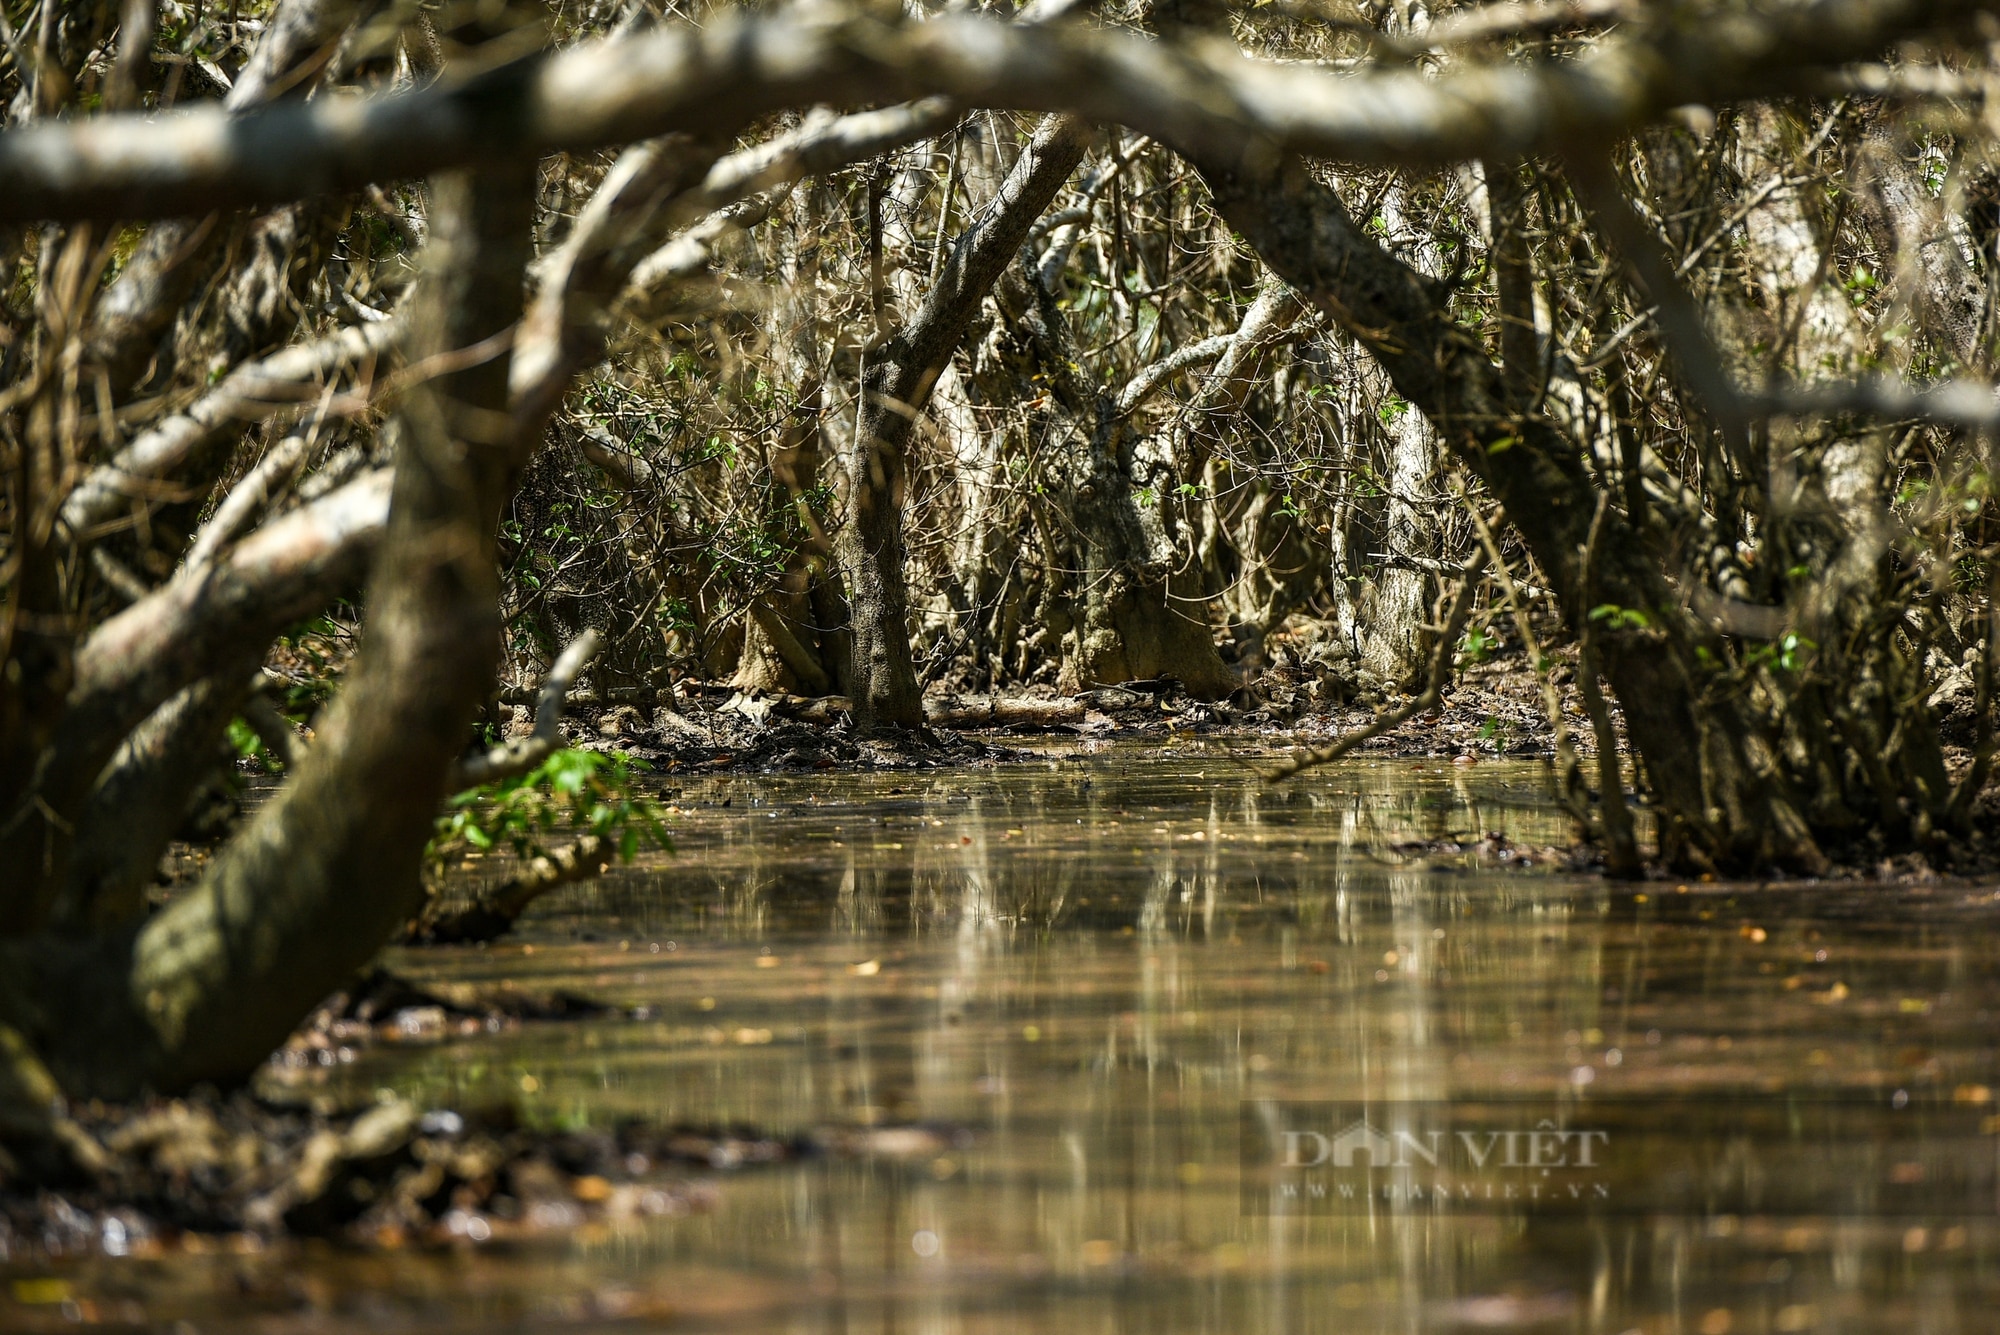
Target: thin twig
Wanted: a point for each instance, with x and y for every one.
(1569, 773)
(1975, 777)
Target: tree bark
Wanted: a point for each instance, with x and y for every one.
(196, 626)
(1395, 642)
(720, 76)
(789, 645)
(896, 384)
(329, 869)
(1717, 803)
(142, 798)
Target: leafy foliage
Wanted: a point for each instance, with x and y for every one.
(1615, 617)
(572, 793)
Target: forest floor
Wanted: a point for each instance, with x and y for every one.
(1494, 709)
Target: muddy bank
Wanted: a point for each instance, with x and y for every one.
(1494, 710)
(238, 1171)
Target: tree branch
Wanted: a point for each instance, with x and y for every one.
(285, 570)
(524, 753)
(197, 625)
(1141, 386)
(268, 478)
(1680, 320)
(717, 78)
(277, 385)
(740, 190)
(494, 913)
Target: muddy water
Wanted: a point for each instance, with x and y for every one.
(1083, 1035)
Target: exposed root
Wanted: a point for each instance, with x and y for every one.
(166, 1173)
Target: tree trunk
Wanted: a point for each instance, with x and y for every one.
(142, 798)
(896, 384)
(329, 869)
(1719, 800)
(197, 625)
(787, 645)
(1394, 643)
(1142, 617)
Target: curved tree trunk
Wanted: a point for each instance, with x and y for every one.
(191, 628)
(142, 798)
(330, 868)
(1714, 786)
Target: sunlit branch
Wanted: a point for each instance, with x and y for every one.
(279, 385)
(1205, 98)
(522, 754)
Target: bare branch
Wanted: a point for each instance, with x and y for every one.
(1141, 386)
(181, 631)
(1517, 18)
(1268, 321)
(1066, 229)
(715, 79)
(494, 913)
(564, 328)
(627, 471)
(1679, 318)
(118, 575)
(524, 753)
(730, 194)
(824, 143)
(299, 39)
(280, 384)
(247, 498)
(694, 250)
(1960, 403)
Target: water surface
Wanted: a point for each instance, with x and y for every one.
(1034, 1010)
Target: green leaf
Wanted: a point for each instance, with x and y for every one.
(569, 793)
(243, 739)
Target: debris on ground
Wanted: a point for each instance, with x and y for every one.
(1495, 709)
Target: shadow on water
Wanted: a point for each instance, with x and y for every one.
(1108, 1018)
